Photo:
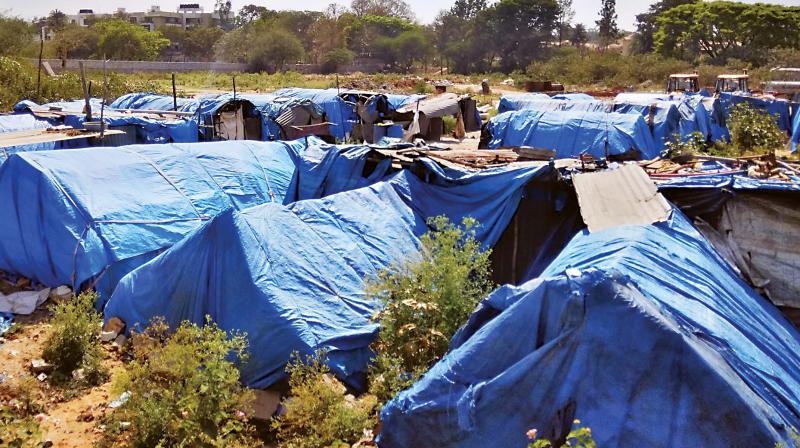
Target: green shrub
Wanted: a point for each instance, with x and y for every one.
(19, 431)
(426, 299)
(73, 343)
(319, 414)
(580, 437)
(184, 390)
(754, 130)
(679, 148)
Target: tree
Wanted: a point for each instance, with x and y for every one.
(56, 20)
(199, 42)
(272, 49)
(565, 16)
(234, 46)
(15, 35)
(518, 31)
(607, 24)
(402, 50)
(387, 8)
(336, 58)
(75, 41)
(223, 9)
(249, 14)
(579, 36)
(118, 39)
(725, 30)
(646, 25)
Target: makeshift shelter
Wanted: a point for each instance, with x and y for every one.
(226, 117)
(338, 113)
(520, 101)
(426, 115)
(285, 118)
(795, 132)
(749, 221)
(66, 224)
(293, 277)
(571, 134)
(662, 118)
(642, 332)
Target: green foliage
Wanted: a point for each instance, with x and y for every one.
(120, 39)
(199, 42)
(19, 431)
(402, 50)
(184, 389)
(15, 35)
(721, 30)
(607, 23)
(754, 130)
(336, 58)
(580, 437)
(679, 148)
(271, 49)
(73, 343)
(319, 414)
(426, 299)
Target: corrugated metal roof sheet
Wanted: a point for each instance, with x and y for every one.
(617, 197)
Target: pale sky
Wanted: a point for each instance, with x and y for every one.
(426, 10)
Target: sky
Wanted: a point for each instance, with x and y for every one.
(425, 10)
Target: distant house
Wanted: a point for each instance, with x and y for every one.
(187, 16)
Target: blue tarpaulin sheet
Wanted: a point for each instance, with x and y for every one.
(337, 112)
(27, 122)
(774, 107)
(149, 101)
(641, 332)
(293, 276)
(795, 132)
(64, 223)
(571, 134)
(396, 101)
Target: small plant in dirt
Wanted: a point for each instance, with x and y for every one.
(754, 130)
(72, 346)
(19, 402)
(426, 299)
(580, 437)
(183, 390)
(319, 413)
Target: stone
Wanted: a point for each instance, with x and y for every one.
(120, 341)
(41, 366)
(114, 324)
(265, 404)
(108, 336)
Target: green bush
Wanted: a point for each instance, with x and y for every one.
(580, 437)
(679, 148)
(319, 414)
(73, 343)
(754, 130)
(18, 404)
(184, 390)
(426, 299)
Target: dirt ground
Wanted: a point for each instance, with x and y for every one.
(69, 423)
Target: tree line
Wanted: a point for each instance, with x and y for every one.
(472, 36)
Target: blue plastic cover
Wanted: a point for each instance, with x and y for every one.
(776, 107)
(795, 132)
(574, 97)
(26, 122)
(65, 224)
(662, 117)
(641, 332)
(149, 101)
(396, 101)
(340, 114)
(292, 276)
(573, 133)
(520, 101)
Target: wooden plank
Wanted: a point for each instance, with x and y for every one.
(8, 139)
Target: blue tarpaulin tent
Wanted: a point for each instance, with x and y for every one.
(571, 134)
(292, 277)
(149, 101)
(795, 132)
(520, 101)
(340, 114)
(66, 223)
(641, 332)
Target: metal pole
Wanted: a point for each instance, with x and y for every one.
(174, 94)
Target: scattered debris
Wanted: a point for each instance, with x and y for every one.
(41, 366)
(23, 302)
(122, 399)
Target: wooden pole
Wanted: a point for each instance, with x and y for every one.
(103, 103)
(88, 106)
(39, 73)
(234, 88)
(174, 94)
